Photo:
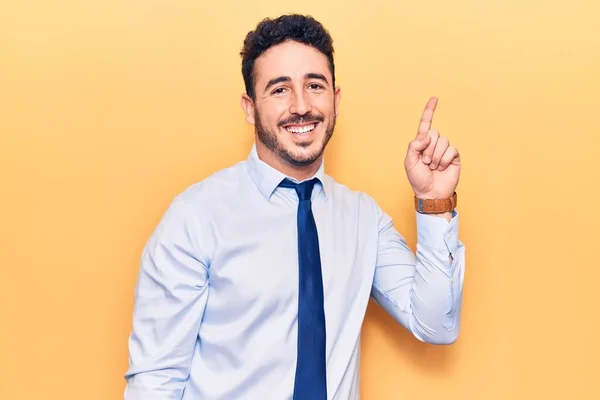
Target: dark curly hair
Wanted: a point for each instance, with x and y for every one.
(270, 32)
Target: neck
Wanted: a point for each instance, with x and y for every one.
(297, 172)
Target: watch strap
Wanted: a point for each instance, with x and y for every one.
(435, 206)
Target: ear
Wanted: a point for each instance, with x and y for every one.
(337, 98)
(248, 107)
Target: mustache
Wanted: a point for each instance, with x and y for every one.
(301, 119)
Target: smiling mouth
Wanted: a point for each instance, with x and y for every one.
(301, 129)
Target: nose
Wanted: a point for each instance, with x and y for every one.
(300, 104)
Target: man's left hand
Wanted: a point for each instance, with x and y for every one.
(432, 164)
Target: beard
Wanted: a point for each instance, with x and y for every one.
(269, 139)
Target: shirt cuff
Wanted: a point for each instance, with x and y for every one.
(437, 233)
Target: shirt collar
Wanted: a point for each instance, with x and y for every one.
(267, 178)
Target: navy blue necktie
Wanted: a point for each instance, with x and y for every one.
(311, 382)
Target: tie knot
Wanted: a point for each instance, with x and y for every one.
(303, 189)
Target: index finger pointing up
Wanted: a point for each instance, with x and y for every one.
(427, 117)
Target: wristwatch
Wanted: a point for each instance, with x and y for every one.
(435, 206)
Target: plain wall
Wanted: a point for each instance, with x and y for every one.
(108, 109)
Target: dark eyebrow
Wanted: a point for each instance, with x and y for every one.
(312, 75)
(275, 81)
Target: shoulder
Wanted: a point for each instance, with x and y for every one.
(214, 188)
(190, 215)
(201, 200)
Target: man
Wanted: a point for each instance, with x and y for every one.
(256, 281)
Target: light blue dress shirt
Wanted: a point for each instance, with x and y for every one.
(216, 298)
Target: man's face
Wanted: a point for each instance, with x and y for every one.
(295, 103)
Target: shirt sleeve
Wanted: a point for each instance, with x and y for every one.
(422, 291)
(170, 297)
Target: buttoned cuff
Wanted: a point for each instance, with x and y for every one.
(437, 233)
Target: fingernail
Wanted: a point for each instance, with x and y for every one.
(426, 159)
(432, 166)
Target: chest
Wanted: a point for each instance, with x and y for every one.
(256, 261)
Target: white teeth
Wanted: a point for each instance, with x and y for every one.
(301, 130)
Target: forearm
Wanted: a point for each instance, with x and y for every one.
(447, 216)
(435, 296)
(423, 291)
(428, 304)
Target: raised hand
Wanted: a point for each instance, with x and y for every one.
(432, 165)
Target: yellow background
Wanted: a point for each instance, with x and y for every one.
(108, 109)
